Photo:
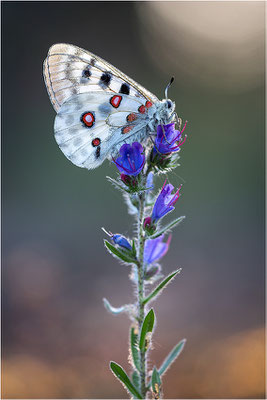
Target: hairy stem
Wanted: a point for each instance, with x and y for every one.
(141, 289)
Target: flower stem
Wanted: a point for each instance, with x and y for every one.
(141, 290)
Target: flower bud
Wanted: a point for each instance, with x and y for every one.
(148, 225)
(126, 179)
(147, 222)
(121, 241)
(129, 181)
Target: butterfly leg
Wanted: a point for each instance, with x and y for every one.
(154, 144)
(179, 121)
(163, 130)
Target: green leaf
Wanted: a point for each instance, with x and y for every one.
(176, 351)
(167, 228)
(122, 255)
(123, 188)
(117, 185)
(161, 286)
(119, 372)
(147, 328)
(134, 248)
(117, 310)
(136, 379)
(156, 381)
(134, 349)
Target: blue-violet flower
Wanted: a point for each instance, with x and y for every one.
(168, 141)
(132, 159)
(155, 249)
(165, 201)
(121, 241)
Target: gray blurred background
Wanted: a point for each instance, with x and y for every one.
(57, 337)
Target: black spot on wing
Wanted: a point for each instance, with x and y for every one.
(97, 152)
(125, 88)
(86, 73)
(105, 79)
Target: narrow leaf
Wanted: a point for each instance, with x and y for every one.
(167, 228)
(147, 328)
(176, 351)
(156, 381)
(134, 349)
(119, 253)
(134, 248)
(136, 379)
(116, 184)
(117, 310)
(119, 372)
(161, 286)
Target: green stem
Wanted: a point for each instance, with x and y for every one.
(141, 289)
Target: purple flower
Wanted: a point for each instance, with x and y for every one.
(121, 241)
(132, 159)
(155, 249)
(168, 141)
(165, 201)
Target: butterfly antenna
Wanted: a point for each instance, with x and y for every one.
(167, 87)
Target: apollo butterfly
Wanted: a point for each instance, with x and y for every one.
(99, 108)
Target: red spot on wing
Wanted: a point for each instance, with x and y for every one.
(127, 129)
(131, 117)
(88, 119)
(149, 104)
(96, 142)
(142, 109)
(115, 101)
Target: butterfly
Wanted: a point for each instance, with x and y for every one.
(99, 108)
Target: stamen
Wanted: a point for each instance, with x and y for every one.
(169, 240)
(164, 185)
(180, 144)
(175, 197)
(184, 127)
(131, 162)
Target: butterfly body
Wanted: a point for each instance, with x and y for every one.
(98, 107)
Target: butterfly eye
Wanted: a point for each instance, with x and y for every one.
(169, 103)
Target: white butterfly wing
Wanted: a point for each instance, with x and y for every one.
(88, 128)
(69, 70)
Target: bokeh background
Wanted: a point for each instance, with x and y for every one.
(57, 337)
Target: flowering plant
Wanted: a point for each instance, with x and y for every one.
(138, 166)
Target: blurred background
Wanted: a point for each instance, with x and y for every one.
(57, 337)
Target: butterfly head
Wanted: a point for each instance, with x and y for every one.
(170, 109)
(167, 106)
(166, 111)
